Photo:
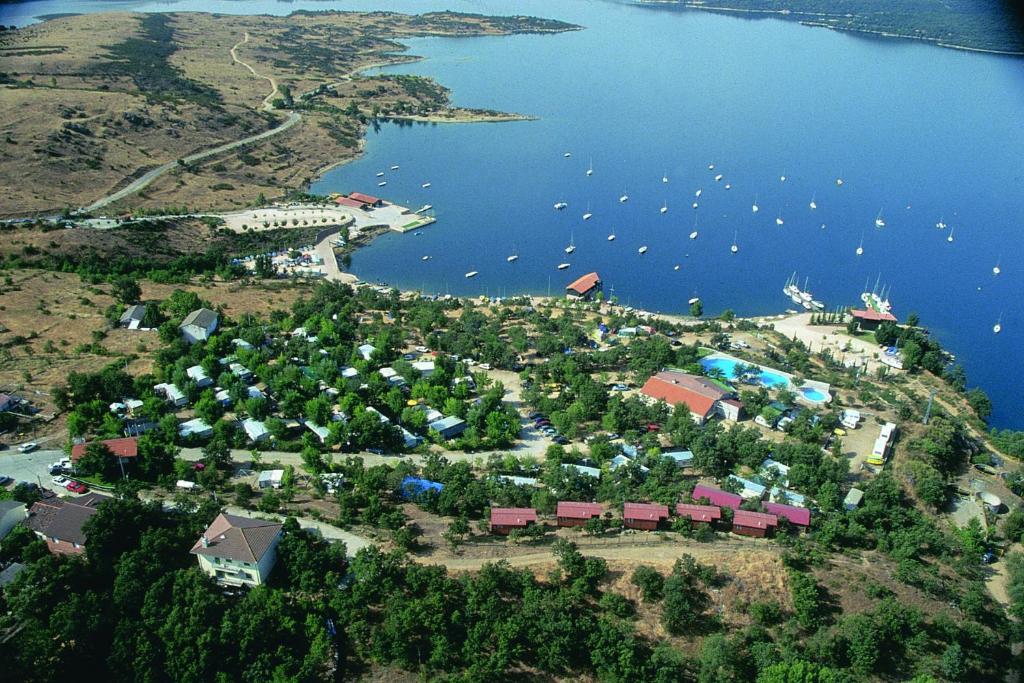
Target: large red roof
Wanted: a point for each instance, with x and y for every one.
(122, 448)
(754, 520)
(513, 516)
(696, 393)
(798, 516)
(585, 284)
(699, 513)
(870, 314)
(364, 198)
(717, 496)
(571, 510)
(645, 511)
(348, 201)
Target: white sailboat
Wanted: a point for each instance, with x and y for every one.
(949, 238)
(567, 155)
(380, 174)
(514, 256)
(839, 182)
(624, 198)
(425, 258)
(735, 248)
(472, 273)
(996, 269)
(782, 178)
(382, 183)
(754, 208)
(711, 167)
(998, 327)
(860, 247)
(572, 245)
(728, 186)
(778, 219)
(611, 237)
(664, 177)
(697, 193)
(675, 267)
(941, 225)
(695, 205)
(642, 250)
(718, 178)
(813, 204)
(395, 167)
(879, 222)
(590, 169)
(560, 205)
(664, 207)
(563, 266)
(693, 235)
(425, 185)
(587, 215)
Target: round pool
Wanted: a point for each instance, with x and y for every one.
(813, 395)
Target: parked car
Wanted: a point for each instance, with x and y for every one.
(613, 436)
(561, 440)
(484, 366)
(60, 480)
(620, 387)
(77, 487)
(28, 447)
(409, 356)
(422, 349)
(535, 415)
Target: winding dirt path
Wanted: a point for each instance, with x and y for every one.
(273, 83)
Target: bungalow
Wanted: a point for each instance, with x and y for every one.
(621, 460)
(424, 367)
(240, 371)
(504, 520)
(449, 427)
(787, 497)
(411, 440)
(59, 521)
(800, 517)
(255, 392)
(577, 514)
(366, 351)
(756, 524)
(591, 472)
(198, 375)
(750, 490)
(321, 432)
(584, 287)
(241, 344)
(392, 376)
(517, 480)
(349, 373)
(126, 449)
(255, 430)
(853, 499)
(771, 468)
(716, 496)
(196, 427)
(223, 397)
(172, 393)
(703, 514)
(132, 317)
(700, 395)
(644, 516)
(238, 551)
(198, 325)
(869, 319)
(682, 459)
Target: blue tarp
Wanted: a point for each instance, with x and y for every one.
(414, 486)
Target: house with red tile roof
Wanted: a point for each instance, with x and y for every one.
(700, 395)
(870, 319)
(504, 520)
(127, 449)
(644, 516)
(584, 287)
(577, 514)
(238, 551)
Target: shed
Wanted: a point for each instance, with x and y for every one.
(705, 514)
(800, 517)
(717, 496)
(682, 458)
(198, 325)
(270, 479)
(196, 427)
(132, 317)
(504, 520)
(853, 499)
(577, 514)
(757, 524)
(584, 287)
(644, 516)
(198, 375)
(449, 427)
(366, 351)
(255, 430)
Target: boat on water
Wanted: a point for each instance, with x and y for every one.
(382, 183)
(563, 266)
(590, 169)
(664, 178)
(567, 155)
(424, 208)
(728, 186)
(380, 174)
(998, 327)
(698, 193)
(860, 247)
(642, 250)
(664, 207)
(694, 300)
(512, 258)
(695, 205)
(693, 235)
(941, 225)
(395, 167)
(839, 182)
(782, 178)
(675, 267)
(949, 238)
(560, 205)
(587, 215)
(996, 269)
(790, 285)
(879, 221)
(624, 198)
(735, 248)
(425, 185)
(718, 177)
(611, 238)
(472, 273)
(711, 167)
(813, 204)
(572, 245)
(778, 220)
(754, 208)
(425, 258)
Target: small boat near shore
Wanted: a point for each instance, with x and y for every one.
(642, 250)
(382, 183)
(563, 266)
(694, 300)
(380, 174)
(395, 167)
(472, 273)
(664, 207)
(560, 205)
(879, 221)
(572, 245)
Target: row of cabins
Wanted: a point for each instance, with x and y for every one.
(649, 516)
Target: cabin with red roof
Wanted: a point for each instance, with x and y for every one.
(126, 449)
(644, 516)
(799, 517)
(869, 319)
(757, 524)
(700, 395)
(702, 514)
(577, 514)
(718, 497)
(504, 520)
(584, 287)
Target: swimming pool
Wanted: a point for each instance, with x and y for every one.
(727, 366)
(813, 395)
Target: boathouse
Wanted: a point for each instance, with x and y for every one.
(585, 287)
(577, 514)
(368, 201)
(869, 319)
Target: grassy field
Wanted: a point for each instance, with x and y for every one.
(91, 102)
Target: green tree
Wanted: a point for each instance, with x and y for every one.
(126, 290)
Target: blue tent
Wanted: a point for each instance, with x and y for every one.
(414, 486)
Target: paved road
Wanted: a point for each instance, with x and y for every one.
(32, 467)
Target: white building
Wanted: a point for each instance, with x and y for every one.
(270, 479)
(198, 325)
(199, 376)
(172, 393)
(238, 551)
(366, 351)
(255, 430)
(424, 367)
(196, 427)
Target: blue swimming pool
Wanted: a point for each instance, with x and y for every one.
(727, 366)
(813, 395)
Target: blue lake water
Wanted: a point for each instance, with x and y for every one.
(918, 132)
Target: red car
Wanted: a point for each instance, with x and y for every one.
(77, 487)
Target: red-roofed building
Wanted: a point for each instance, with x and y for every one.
(870, 319)
(577, 514)
(348, 201)
(504, 520)
(705, 514)
(584, 287)
(757, 524)
(126, 449)
(800, 517)
(718, 497)
(700, 395)
(368, 200)
(643, 515)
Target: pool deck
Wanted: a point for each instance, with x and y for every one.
(823, 387)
